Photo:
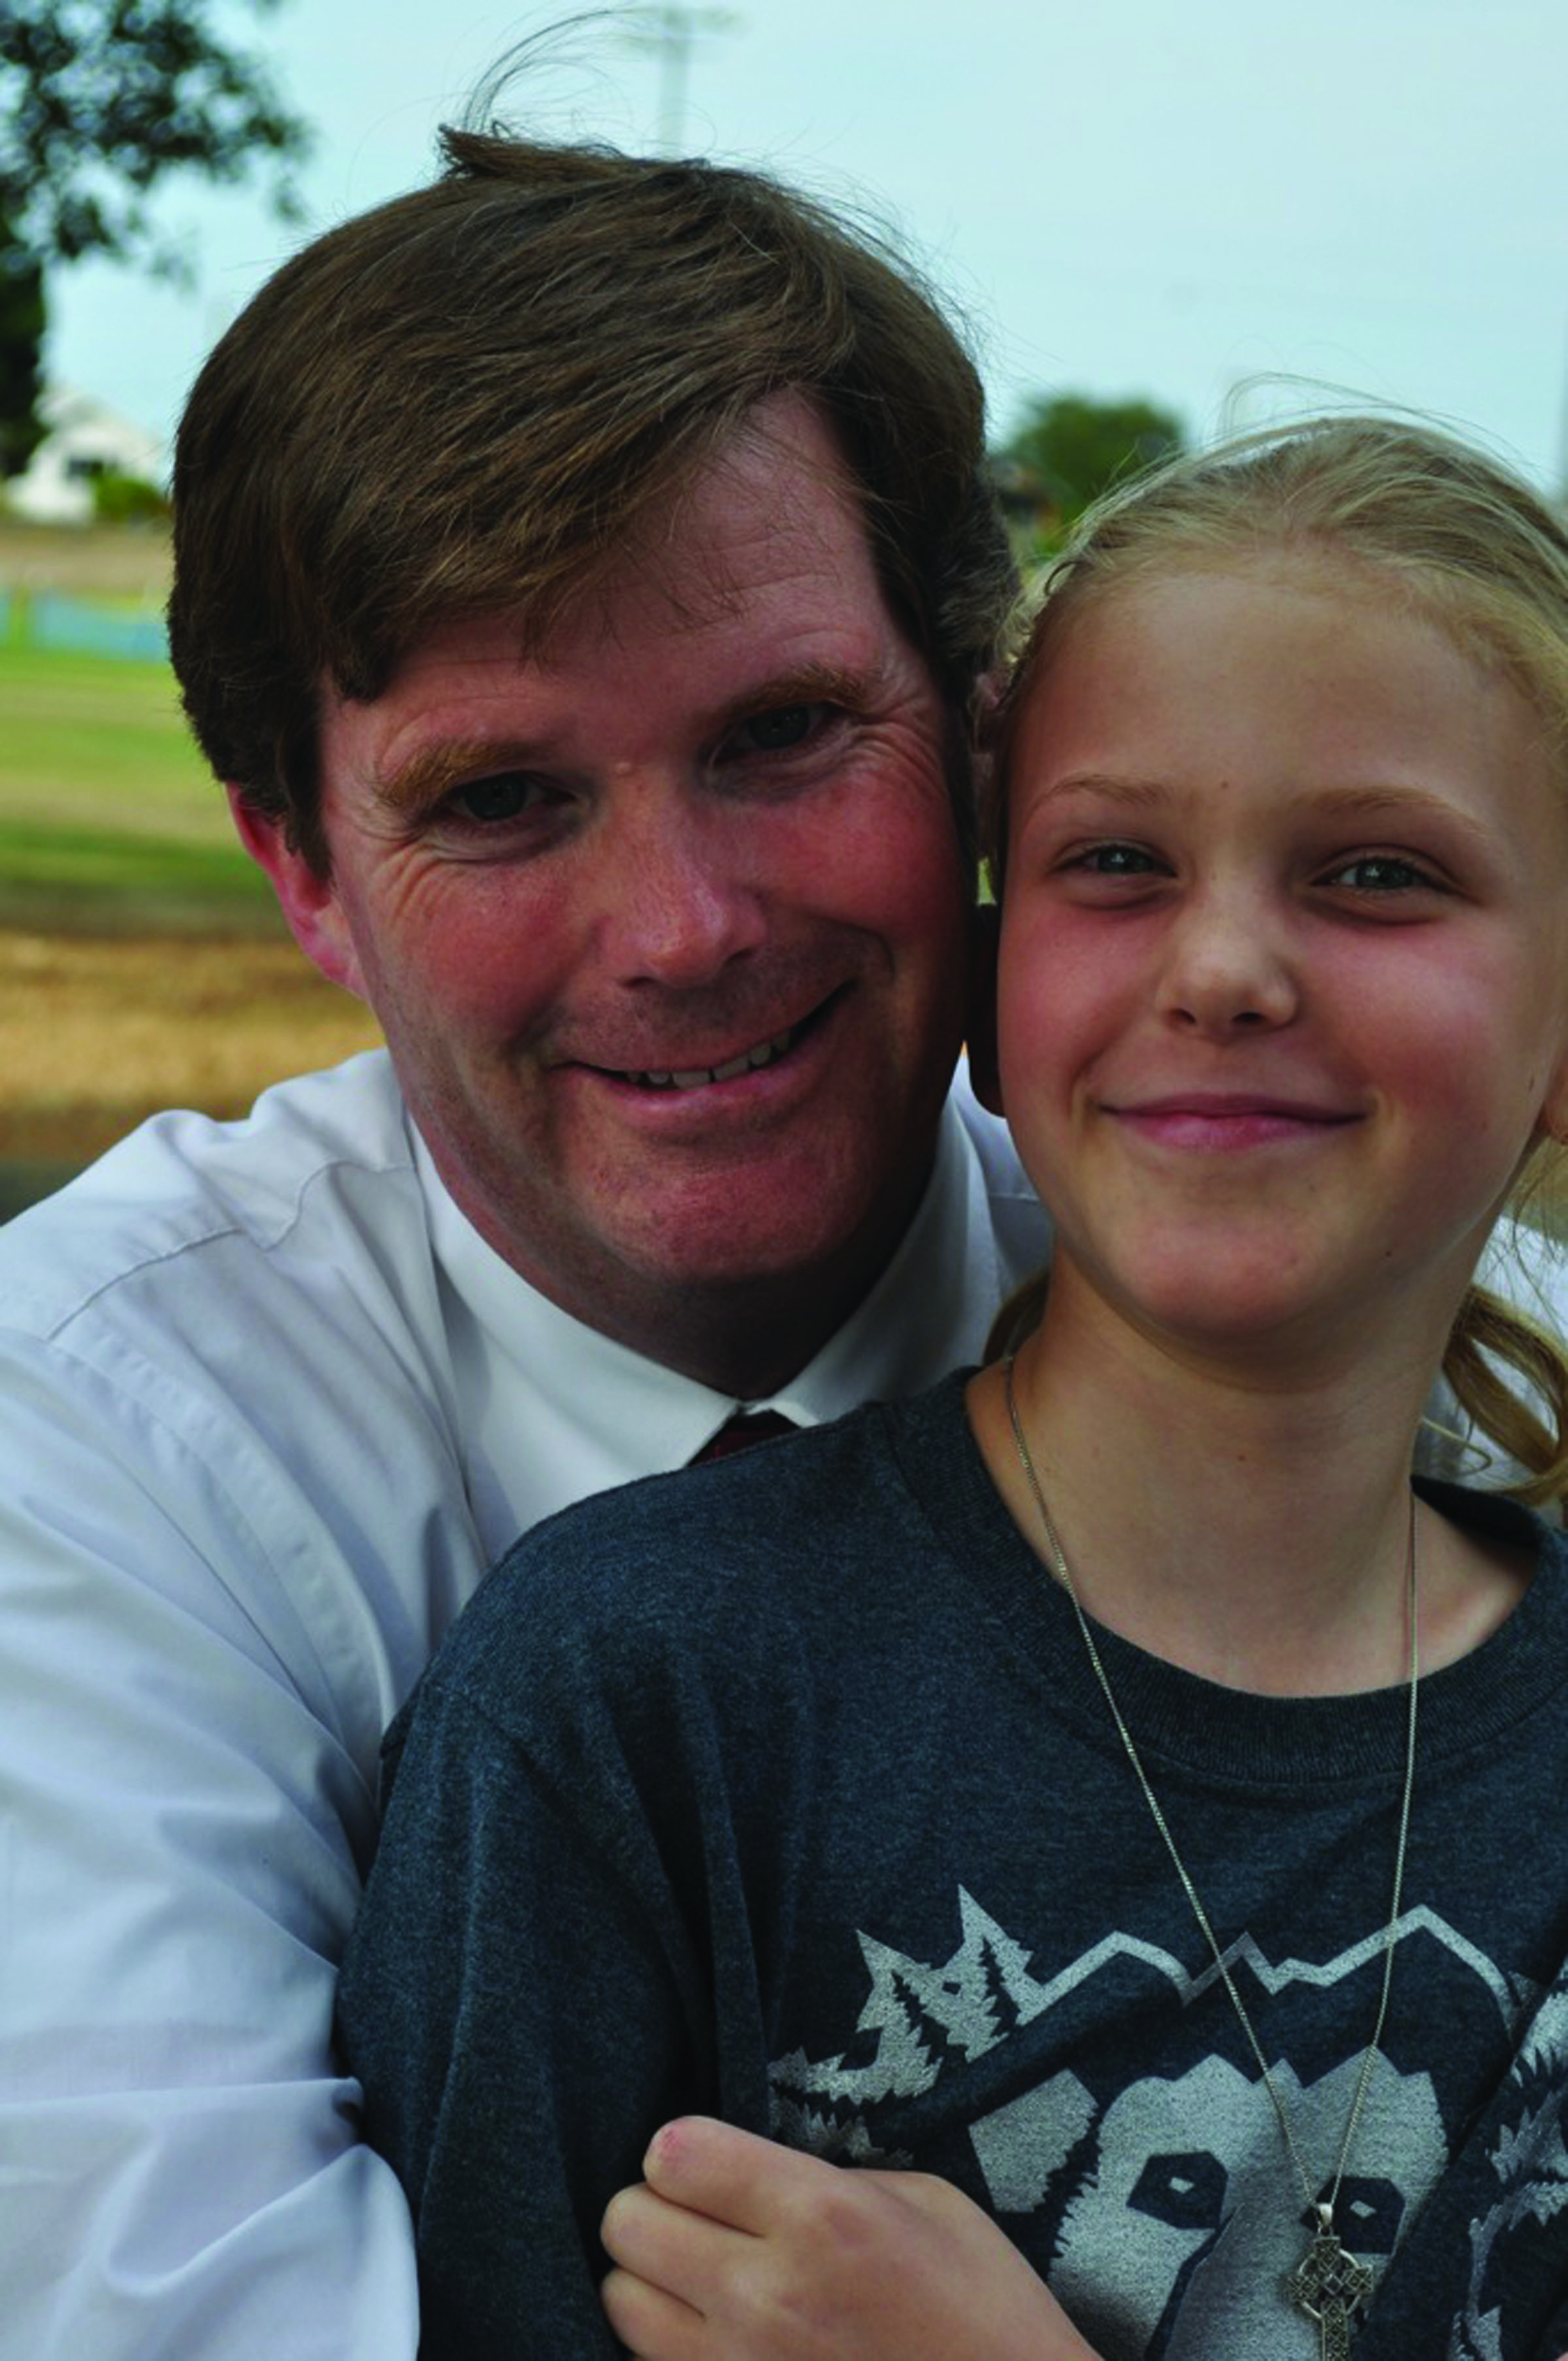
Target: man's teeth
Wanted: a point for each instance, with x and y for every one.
(692, 1078)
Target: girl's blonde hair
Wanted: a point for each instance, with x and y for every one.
(1472, 551)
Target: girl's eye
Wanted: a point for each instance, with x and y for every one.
(1381, 873)
(1114, 860)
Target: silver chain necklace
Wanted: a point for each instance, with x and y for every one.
(1327, 2284)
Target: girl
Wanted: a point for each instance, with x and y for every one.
(1106, 1784)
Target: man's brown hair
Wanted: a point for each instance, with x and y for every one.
(466, 398)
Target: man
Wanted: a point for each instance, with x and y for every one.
(583, 571)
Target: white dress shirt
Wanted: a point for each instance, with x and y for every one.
(270, 1407)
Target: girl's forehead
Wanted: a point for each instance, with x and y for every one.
(1285, 670)
(1314, 568)
(1256, 598)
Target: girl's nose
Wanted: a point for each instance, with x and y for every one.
(1228, 967)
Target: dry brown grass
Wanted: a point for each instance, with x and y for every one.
(94, 1036)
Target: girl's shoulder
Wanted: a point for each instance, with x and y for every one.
(716, 1557)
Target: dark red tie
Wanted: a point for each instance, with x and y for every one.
(740, 1433)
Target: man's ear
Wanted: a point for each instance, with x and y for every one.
(308, 900)
(980, 1029)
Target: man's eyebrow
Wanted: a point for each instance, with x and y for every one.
(431, 772)
(851, 685)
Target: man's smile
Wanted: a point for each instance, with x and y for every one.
(693, 1075)
(691, 1078)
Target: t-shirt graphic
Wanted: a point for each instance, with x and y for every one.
(1127, 2138)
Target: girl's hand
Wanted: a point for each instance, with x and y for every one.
(736, 2249)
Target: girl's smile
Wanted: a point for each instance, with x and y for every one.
(1216, 1122)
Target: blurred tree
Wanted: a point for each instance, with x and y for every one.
(21, 354)
(1068, 451)
(119, 499)
(100, 101)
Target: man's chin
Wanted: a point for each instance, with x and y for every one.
(740, 1246)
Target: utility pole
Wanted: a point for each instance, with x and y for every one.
(671, 31)
(1561, 487)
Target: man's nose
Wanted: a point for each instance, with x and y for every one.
(679, 901)
(1229, 963)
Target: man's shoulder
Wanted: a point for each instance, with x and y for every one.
(322, 1163)
(223, 1373)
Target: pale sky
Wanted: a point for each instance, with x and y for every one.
(1168, 198)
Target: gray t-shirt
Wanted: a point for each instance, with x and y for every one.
(783, 1790)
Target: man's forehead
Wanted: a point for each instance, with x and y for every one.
(774, 504)
(720, 651)
(773, 518)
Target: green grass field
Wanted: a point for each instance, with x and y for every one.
(109, 820)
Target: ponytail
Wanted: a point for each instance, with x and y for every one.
(1488, 1332)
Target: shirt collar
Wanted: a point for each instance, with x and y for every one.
(550, 1411)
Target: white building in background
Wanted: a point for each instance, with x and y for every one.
(84, 439)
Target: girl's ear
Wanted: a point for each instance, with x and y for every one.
(980, 1029)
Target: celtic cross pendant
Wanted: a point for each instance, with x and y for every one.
(1327, 2284)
